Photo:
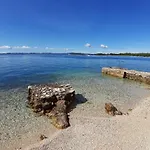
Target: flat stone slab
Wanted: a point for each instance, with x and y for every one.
(129, 74)
(52, 100)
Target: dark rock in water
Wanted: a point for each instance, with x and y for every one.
(52, 100)
(111, 109)
(42, 137)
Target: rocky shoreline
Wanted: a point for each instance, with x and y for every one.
(52, 100)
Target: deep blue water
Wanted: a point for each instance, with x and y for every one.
(23, 69)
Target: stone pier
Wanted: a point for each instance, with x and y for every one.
(128, 74)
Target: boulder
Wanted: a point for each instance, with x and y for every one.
(111, 109)
(52, 100)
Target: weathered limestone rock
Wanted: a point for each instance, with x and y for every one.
(52, 100)
(129, 74)
(111, 109)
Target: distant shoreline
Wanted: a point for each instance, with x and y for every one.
(114, 54)
(88, 54)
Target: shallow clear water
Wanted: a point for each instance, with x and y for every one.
(82, 72)
(21, 70)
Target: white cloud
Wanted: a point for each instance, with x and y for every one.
(14, 47)
(25, 47)
(21, 47)
(87, 45)
(35, 47)
(103, 46)
(5, 47)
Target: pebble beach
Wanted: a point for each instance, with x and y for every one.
(98, 133)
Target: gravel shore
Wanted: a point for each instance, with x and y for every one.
(98, 133)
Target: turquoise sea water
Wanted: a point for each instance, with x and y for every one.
(17, 71)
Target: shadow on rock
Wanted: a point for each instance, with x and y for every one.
(79, 99)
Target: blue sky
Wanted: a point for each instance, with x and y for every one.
(75, 25)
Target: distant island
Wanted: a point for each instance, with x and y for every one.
(89, 54)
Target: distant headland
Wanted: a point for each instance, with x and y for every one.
(114, 54)
(88, 54)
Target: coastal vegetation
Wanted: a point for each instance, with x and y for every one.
(115, 54)
(90, 54)
(127, 54)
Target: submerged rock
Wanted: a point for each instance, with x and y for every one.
(111, 109)
(52, 100)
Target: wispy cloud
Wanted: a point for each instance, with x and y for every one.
(5, 47)
(21, 47)
(50, 48)
(87, 45)
(103, 46)
(18, 47)
(46, 48)
(66, 49)
(25, 47)
(63, 49)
